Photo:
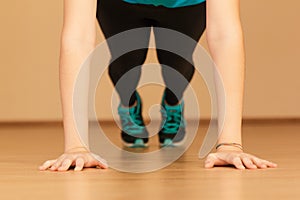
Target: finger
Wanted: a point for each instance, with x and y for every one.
(46, 164)
(209, 164)
(102, 165)
(56, 165)
(238, 163)
(210, 161)
(258, 162)
(79, 164)
(248, 163)
(263, 163)
(214, 159)
(65, 165)
(269, 164)
(101, 162)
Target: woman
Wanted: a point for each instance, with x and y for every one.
(225, 41)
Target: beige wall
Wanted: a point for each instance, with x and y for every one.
(29, 62)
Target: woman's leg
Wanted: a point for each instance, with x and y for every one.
(191, 21)
(115, 17)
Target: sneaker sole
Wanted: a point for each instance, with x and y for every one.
(138, 143)
(170, 143)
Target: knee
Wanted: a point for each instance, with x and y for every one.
(184, 66)
(119, 66)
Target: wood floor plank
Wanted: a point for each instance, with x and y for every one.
(23, 148)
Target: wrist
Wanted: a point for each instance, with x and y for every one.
(75, 145)
(225, 146)
(229, 148)
(77, 149)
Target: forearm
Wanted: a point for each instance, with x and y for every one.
(78, 39)
(73, 53)
(228, 54)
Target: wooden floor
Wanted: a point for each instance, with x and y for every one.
(25, 147)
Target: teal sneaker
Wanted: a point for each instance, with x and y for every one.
(134, 132)
(173, 124)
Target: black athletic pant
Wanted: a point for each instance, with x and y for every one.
(116, 16)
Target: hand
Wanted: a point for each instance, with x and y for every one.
(77, 159)
(237, 158)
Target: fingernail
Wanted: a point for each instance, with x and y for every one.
(208, 166)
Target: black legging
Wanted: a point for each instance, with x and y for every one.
(115, 16)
